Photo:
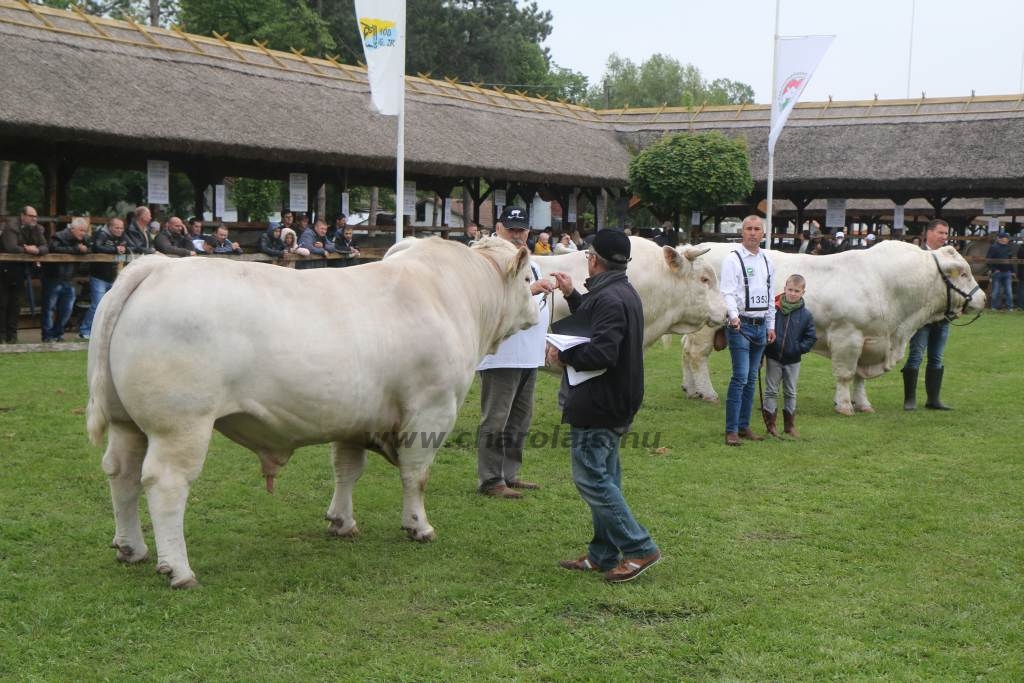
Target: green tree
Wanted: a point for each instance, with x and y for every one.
(282, 24)
(691, 172)
(662, 80)
(136, 10)
(256, 199)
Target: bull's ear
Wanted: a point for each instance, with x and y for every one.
(673, 259)
(516, 265)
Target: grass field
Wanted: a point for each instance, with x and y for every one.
(886, 546)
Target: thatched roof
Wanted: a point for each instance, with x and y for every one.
(70, 79)
(961, 147)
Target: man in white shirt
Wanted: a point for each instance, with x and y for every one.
(507, 379)
(746, 283)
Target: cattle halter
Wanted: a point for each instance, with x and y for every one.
(951, 313)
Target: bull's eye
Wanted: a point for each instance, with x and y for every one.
(954, 273)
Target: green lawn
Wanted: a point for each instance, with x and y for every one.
(886, 546)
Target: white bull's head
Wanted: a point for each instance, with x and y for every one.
(963, 291)
(700, 283)
(515, 305)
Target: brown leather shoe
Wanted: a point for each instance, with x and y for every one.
(582, 564)
(732, 439)
(520, 484)
(632, 567)
(501, 491)
(747, 434)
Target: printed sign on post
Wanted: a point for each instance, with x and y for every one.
(218, 201)
(499, 198)
(409, 198)
(835, 214)
(994, 207)
(344, 203)
(897, 217)
(298, 192)
(573, 198)
(158, 176)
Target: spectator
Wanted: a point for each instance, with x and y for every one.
(601, 409)
(291, 245)
(136, 234)
(1001, 273)
(565, 245)
(22, 237)
(303, 224)
(839, 243)
(107, 240)
(543, 245)
(173, 240)
(287, 218)
(795, 337)
(335, 231)
(58, 284)
(869, 240)
(218, 242)
(805, 242)
(195, 233)
(315, 240)
(271, 243)
(346, 243)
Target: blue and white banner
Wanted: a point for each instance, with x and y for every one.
(382, 27)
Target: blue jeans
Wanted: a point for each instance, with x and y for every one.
(57, 308)
(1002, 286)
(931, 337)
(598, 477)
(746, 346)
(98, 288)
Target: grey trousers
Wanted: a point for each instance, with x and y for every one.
(506, 406)
(788, 375)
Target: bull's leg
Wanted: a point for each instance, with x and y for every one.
(843, 404)
(415, 470)
(348, 466)
(172, 463)
(696, 376)
(122, 462)
(860, 395)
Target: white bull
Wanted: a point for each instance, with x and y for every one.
(866, 306)
(678, 287)
(181, 347)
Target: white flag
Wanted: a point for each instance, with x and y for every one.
(382, 26)
(796, 58)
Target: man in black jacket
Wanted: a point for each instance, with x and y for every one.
(601, 409)
(24, 236)
(109, 240)
(59, 300)
(173, 239)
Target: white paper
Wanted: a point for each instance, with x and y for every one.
(344, 203)
(897, 217)
(835, 214)
(573, 198)
(994, 207)
(409, 198)
(993, 225)
(695, 219)
(568, 341)
(448, 212)
(218, 201)
(298, 192)
(499, 198)
(158, 176)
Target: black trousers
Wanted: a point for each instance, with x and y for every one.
(12, 283)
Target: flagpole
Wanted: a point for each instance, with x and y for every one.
(400, 163)
(771, 152)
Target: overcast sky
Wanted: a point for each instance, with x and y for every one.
(958, 45)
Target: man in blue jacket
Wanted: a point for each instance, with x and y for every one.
(601, 409)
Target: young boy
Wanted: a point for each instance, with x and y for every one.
(794, 336)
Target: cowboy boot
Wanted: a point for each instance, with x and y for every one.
(769, 421)
(749, 434)
(933, 386)
(909, 388)
(789, 424)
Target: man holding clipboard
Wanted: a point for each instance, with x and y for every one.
(601, 408)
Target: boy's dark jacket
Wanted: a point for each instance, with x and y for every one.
(794, 334)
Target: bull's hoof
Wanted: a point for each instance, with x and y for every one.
(421, 535)
(844, 410)
(340, 531)
(127, 554)
(865, 409)
(189, 581)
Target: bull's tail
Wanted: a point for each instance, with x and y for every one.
(101, 385)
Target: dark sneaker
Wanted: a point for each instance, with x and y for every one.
(632, 567)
